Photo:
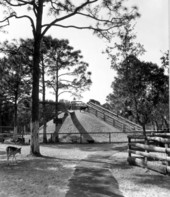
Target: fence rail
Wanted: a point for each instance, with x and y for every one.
(98, 137)
(150, 152)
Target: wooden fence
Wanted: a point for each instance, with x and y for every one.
(151, 151)
(113, 119)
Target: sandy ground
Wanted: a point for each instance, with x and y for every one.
(78, 171)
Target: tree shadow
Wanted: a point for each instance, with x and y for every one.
(55, 137)
(80, 128)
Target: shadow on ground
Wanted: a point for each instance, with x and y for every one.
(80, 128)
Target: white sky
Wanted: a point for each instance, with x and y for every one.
(151, 30)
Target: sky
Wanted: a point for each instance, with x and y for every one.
(151, 30)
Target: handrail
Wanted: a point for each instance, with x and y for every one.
(117, 117)
(124, 126)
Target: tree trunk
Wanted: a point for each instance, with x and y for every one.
(166, 124)
(44, 106)
(35, 104)
(144, 130)
(15, 118)
(0, 114)
(34, 145)
(56, 108)
(153, 125)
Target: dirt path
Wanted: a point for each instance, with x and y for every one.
(92, 178)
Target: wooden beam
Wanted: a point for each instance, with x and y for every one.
(150, 165)
(159, 139)
(151, 148)
(150, 155)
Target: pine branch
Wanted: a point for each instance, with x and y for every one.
(66, 16)
(19, 17)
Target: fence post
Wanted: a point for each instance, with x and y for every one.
(123, 127)
(96, 112)
(80, 138)
(145, 158)
(129, 146)
(167, 154)
(109, 137)
(113, 122)
(104, 117)
(51, 140)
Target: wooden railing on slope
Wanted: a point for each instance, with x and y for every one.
(113, 119)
